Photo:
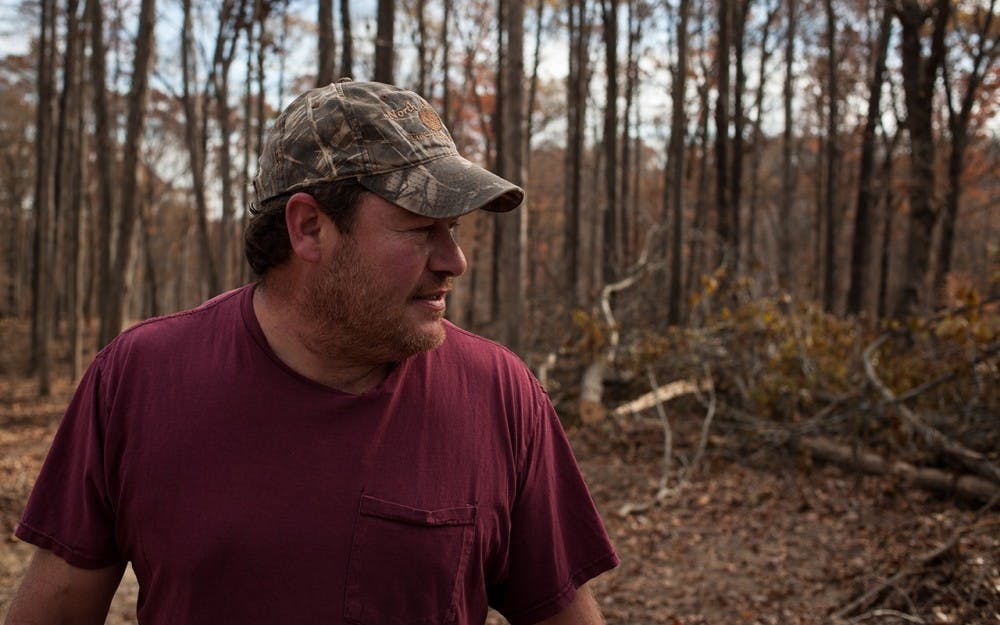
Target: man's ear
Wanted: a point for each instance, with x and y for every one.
(304, 220)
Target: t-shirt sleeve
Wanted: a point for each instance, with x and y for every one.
(69, 511)
(557, 539)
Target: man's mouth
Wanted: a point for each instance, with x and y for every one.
(437, 296)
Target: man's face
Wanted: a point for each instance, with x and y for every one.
(380, 294)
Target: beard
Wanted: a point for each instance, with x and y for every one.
(355, 315)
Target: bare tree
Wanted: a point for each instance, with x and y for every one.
(740, 12)
(511, 228)
(675, 161)
(327, 46)
(232, 20)
(724, 225)
(757, 144)
(787, 165)
(919, 75)
(44, 242)
(384, 41)
(422, 60)
(347, 40)
(135, 124)
(860, 247)
(106, 167)
(612, 248)
(577, 82)
(829, 256)
(984, 57)
(194, 139)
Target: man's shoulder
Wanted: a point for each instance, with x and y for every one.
(469, 344)
(478, 355)
(177, 330)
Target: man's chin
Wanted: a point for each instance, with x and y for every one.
(427, 336)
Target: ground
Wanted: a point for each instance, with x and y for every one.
(758, 536)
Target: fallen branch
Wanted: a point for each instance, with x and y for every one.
(592, 385)
(972, 460)
(910, 568)
(966, 486)
(657, 397)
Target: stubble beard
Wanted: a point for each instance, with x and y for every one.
(353, 315)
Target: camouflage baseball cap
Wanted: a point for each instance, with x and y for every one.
(390, 140)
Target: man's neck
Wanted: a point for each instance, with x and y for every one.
(287, 334)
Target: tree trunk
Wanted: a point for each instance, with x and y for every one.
(675, 161)
(347, 54)
(70, 171)
(327, 46)
(384, 41)
(42, 317)
(195, 142)
(724, 225)
(422, 48)
(741, 10)
(785, 207)
(611, 247)
(860, 247)
(756, 147)
(511, 227)
(577, 87)
(832, 161)
(135, 126)
(919, 75)
(446, 116)
(958, 126)
(888, 201)
(230, 24)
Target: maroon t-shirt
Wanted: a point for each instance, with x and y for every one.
(243, 492)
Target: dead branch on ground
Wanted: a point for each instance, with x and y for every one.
(972, 460)
(656, 398)
(914, 566)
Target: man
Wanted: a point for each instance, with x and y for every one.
(322, 446)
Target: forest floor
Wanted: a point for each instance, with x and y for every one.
(758, 536)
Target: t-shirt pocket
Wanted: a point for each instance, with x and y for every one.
(407, 564)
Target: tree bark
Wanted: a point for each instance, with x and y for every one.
(326, 47)
(724, 226)
(612, 252)
(231, 22)
(195, 143)
(135, 125)
(422, 48)
(675, 160)
(511, 227)
(347, 40)
(829, 255)
(741, 10)
(106, 168)
(384, 41)
(42, 317)
(860, 246)
(919, 75)
(577, 88)
(958, 126)
(785, 207)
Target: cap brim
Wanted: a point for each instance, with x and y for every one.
(445, 187)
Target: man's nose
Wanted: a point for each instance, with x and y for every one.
(447, 256)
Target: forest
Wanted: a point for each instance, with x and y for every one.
(757, 270)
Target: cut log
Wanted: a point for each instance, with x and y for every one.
(966, 486)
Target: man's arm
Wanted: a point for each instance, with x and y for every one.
(582, 611)
(54, 592)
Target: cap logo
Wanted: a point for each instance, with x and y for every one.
(401, 113)
(430, 119)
